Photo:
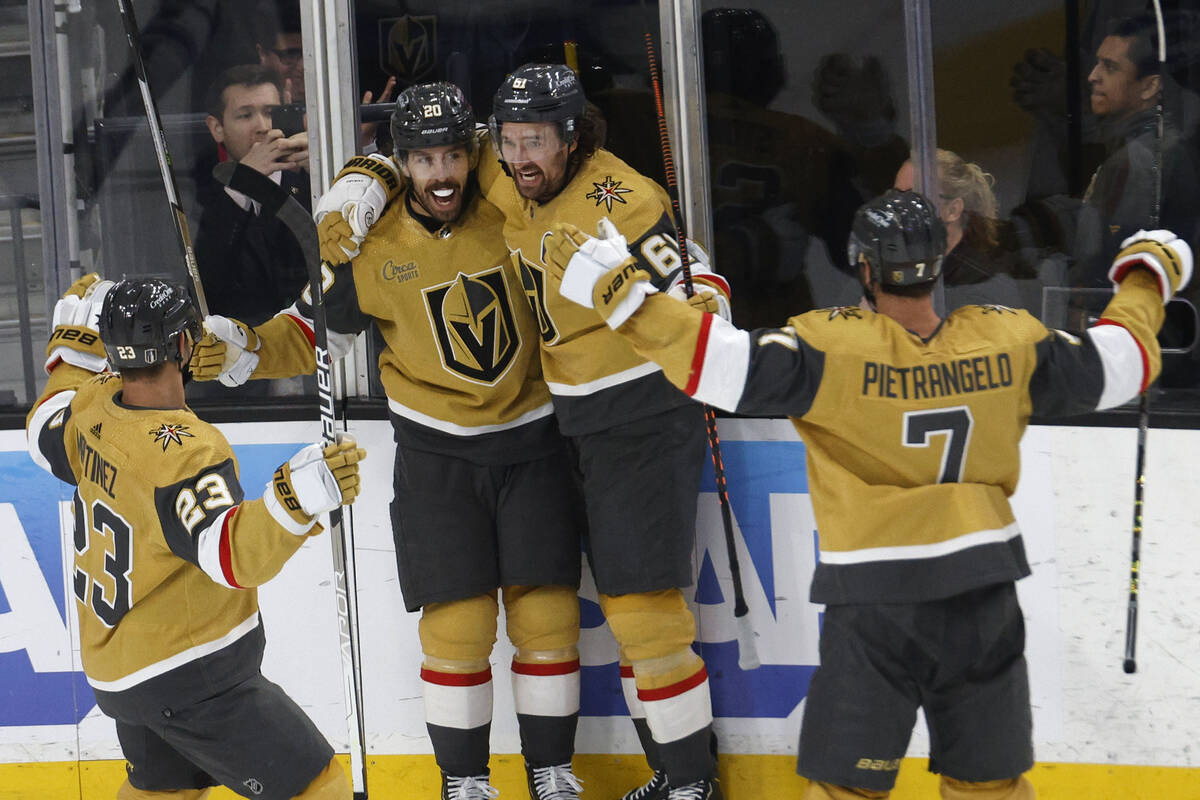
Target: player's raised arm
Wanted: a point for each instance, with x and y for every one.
(1119, 356)
(74, 354)
(240, 544)
(768, 372)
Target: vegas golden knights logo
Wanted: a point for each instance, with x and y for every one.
(472, 318)
(533, 281)
(408, 47)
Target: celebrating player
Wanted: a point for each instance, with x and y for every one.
(639, 444)
(167, 552)
(911, 425)
(484, 498)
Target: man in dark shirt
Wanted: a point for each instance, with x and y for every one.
(251, 266)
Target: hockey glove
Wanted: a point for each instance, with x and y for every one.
(597, 273)
(227, 352)
(76, 336)
(1167, 256)
(353, 204)
(710, 289)
(319, 478)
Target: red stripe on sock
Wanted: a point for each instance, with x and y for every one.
(226, 551)
(698, 357)
(456, 678)
(626, 671)
(675, 689)
(546, 668)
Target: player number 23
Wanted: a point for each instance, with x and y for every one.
(955, 424)
(210, 492)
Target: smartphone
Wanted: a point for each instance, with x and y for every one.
(289, 118)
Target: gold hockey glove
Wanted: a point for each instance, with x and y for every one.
(317, 479)
(227, 352)
(75, 335)
(1163, 253)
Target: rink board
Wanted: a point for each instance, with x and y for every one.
(1092, 722)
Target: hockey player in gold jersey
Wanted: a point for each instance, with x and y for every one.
(911, 425)
(638, 444)
(168, 552)
(484, 499)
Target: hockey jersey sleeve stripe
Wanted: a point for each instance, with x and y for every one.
(226, 551)
(714, 280)
(305, 327)
(720, 364)
(47, 446)
(1126, 363)
(212, 551)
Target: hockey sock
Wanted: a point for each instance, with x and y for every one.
(637, 713)
(546, 696)
(458, 715)
(1013, 789)
(674, 693)
(828, 791)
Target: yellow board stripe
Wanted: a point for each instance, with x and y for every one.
(612, 775)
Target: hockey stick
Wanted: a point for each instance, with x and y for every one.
(161, 154)
(747, 652)
(279, 203)
(1139, 486)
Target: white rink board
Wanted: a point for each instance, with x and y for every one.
(1074, 505)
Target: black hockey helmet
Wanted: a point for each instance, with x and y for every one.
(741, 54)
(431, 115)
(902, 238)
(539, 93)
(140, 322)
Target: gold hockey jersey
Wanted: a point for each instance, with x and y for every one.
(461, 366)
(167, 551)
(596, 378)
(912, 445)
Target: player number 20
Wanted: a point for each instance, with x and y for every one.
(955, 424)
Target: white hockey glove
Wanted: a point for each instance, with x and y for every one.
(354, 202)
(75, 336)
(597, 273)
(588, 258)
(227, 352)
(706, 298)
(319, 478)
(1167, 256)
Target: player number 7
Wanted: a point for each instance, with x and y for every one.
(955, 423)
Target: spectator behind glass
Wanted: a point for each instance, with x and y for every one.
(976, 270)
(251, 267)
(280, 45)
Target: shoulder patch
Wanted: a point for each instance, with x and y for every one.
(608, 192)
(845, 312)
(171, 433)
(996, 308)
